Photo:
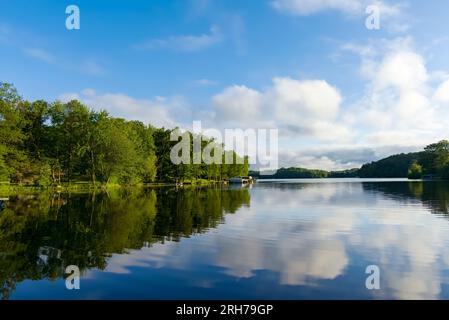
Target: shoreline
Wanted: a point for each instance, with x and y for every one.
(89, 187)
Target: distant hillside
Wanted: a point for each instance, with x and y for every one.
(433, 161)
(396, 166)
(294, 173)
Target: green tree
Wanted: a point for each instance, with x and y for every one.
(415, 171)
(34, 116)
(13, 160)
(166, 170)
(435, 157)
(445, 172)
(70, 132)
(45, 176)
(45, 143)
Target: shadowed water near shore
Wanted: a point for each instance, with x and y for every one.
(293, 239)
(42, 234)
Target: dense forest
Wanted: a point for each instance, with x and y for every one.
(47, 144)
(432, 162)
(395, 166)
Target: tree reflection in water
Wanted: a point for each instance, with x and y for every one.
(41, 234)
(432, 194)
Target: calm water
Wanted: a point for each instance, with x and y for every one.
(303, 239)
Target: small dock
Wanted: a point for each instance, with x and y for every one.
(241, 180)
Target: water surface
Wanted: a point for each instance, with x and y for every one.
(297, 239)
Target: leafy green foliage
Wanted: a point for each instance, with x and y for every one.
(435, 157)
(415, 171)
(44, 144)
(396, 166)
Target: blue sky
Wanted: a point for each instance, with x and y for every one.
(339, 93)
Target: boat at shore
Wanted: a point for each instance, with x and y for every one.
(241, 180)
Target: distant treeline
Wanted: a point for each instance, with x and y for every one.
(302, 173)
(396, 166)
(432, 162)
(47, 144)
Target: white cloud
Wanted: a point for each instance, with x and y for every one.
(307, 7)
(159, 112)
(393, 16)
(311, 162)
(296, 101)
(327, 157)
(185, 43)
(403, 69)
(93, 68)
(205, 83)
(40, 54)
(401, 105)
(237, 104)
(302, 108)
(89, 66)
(442, 93)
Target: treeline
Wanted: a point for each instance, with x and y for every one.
(302, 173)
(395, 166)
(432, 162)
(46, 144)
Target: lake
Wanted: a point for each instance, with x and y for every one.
(280, 239)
